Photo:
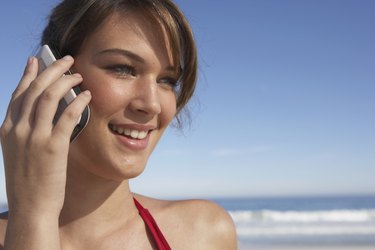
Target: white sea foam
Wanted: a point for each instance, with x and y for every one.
(306, 230)
(308, 223)
(304, 216)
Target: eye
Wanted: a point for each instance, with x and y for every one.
(169, 82)
(122, 70)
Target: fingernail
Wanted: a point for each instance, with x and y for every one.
(30, 61)
(87, 92)
(77, 75)
(67, 58)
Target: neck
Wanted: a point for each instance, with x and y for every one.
(94, 203)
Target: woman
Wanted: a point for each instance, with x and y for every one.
(136, 64)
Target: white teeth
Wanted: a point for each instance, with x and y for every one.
(120, 130)
(142, 135)
(135, 134)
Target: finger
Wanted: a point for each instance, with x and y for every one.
(68, 120)
(15, 103)
(49, 100)
(29, 74)
(40, 83)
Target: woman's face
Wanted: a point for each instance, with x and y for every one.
(128, 67)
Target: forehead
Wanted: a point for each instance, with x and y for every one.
(131, 31)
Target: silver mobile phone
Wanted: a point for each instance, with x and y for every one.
(45, 58)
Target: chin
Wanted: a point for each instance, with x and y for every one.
(120, 170)
(126, 171)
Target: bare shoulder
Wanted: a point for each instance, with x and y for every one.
(212, 224)
(3, 226)
(194, 224)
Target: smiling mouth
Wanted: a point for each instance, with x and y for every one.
(130, 133)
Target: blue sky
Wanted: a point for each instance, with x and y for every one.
(285, 102)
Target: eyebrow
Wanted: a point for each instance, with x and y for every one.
(122, 52)
(133, 56)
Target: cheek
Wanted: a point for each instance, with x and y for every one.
(104, 94)
(106, 98)
(169, 108)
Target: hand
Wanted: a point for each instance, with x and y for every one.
(35, 150)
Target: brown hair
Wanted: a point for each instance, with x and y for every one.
(72, 21)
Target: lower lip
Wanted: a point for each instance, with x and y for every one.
(133, 144)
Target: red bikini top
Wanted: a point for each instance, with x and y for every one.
(153, 228)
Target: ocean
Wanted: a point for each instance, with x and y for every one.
(332, 221)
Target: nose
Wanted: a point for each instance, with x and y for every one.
(146, 97)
